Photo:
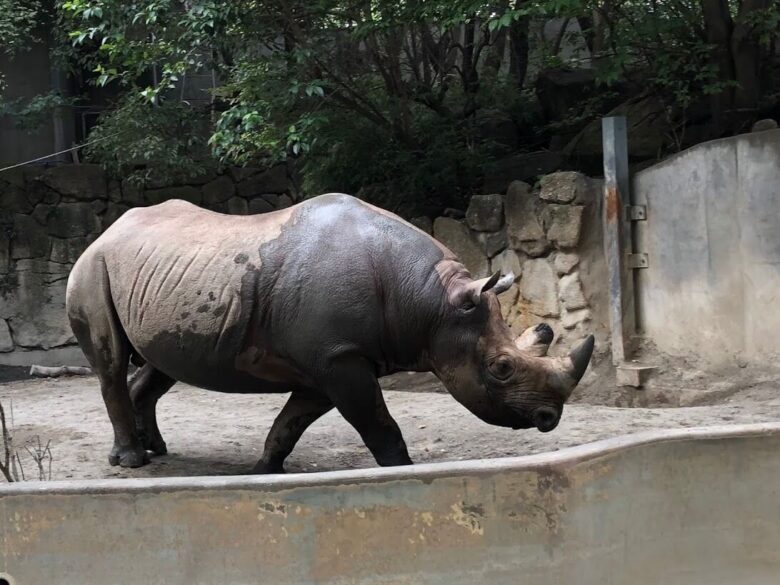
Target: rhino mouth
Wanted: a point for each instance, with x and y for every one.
(546, 418)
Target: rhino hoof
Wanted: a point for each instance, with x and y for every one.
(128, 457)
(156, 446)
(263, 468)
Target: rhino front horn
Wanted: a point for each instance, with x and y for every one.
(580, 358)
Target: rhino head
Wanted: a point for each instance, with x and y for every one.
(505, 380)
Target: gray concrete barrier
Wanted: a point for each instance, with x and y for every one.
(690, 507)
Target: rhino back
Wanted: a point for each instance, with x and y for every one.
(225, 302)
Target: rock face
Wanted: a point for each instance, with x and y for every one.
(570, 319)
(565, 263)
(492, 242)
(273, 180)
(524, 230)
(765, 124)
(456, 236)
(29, 239)
(565, 223)
(571, 293)
(68, 219)
(219, 190)
(539, 287)
(506, 262)
(259, 205)
(85, 182)
(13, 198)
(132, 193)
(485, 213)
(6, 343)
(563, 187)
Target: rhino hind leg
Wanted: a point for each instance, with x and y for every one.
(147, 386)
(302, 409)
(103, 340)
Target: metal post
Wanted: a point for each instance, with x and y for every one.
(617, 237)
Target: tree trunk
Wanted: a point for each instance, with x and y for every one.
(746, 55)
(718, 26)
(518, 50)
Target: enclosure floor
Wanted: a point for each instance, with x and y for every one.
(221, 434)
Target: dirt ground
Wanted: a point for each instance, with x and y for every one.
(220, 434)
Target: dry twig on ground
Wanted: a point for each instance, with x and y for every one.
(42, 456)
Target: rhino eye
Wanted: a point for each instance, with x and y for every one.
(467, 306)
(502, 368)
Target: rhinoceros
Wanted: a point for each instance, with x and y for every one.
(318, 300)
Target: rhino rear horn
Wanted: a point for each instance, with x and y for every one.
(536, 340)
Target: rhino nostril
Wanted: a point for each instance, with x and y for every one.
(545, 418)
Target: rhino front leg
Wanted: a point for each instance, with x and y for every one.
(302, 409)
(147, 386)
(354, 389)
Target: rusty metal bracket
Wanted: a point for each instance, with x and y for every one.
(636, 212)
(638, 260)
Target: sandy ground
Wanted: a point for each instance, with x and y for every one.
(220, 434)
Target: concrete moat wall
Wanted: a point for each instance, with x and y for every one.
(49, 216)
(712, 234)
(692, 507)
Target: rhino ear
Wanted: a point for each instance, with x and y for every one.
(496, 283)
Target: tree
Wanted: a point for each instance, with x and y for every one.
(401, 97)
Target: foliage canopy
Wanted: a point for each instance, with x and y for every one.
(411, 97)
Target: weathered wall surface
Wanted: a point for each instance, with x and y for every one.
(713, 237)
(49, 217)
(551, 238)
(687, 507)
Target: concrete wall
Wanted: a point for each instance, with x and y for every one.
(49, 216)
(713, 237)
(684, 507)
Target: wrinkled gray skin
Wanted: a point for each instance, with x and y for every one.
(318, 300)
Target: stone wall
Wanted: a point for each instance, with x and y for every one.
(550, 238)
(49, 216)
